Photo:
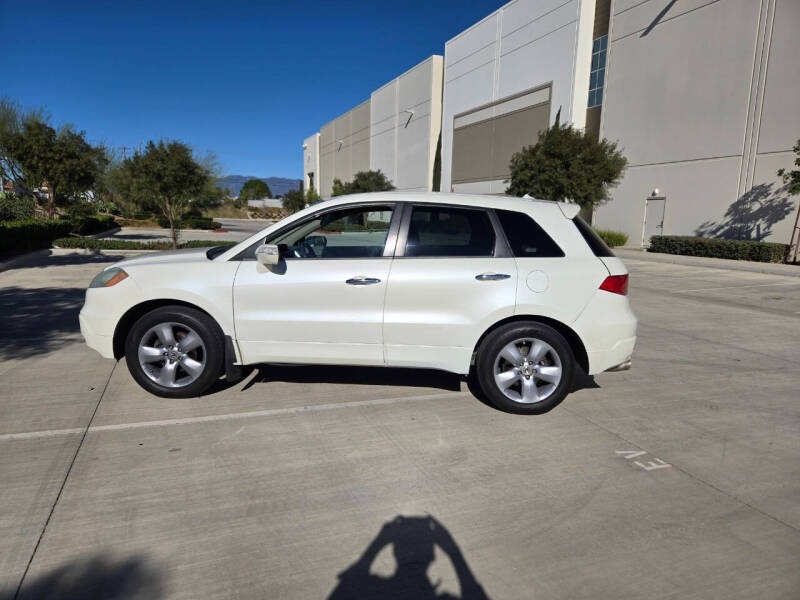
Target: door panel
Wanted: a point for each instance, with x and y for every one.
(307, 312)
(436, 309)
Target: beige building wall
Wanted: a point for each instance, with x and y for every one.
(311, 162)
(522, 47)
(406, 120)
(395, 131)
(344, 147)
(706, 118)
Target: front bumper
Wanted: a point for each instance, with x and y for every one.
(104, 344)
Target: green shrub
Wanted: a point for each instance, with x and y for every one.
(32, 233)
(718, 248)
(81, 209)
(191, 223)
(95, 244)
(613, 238)
(88, 225)
(14, 208)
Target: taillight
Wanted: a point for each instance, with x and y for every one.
(616, 284)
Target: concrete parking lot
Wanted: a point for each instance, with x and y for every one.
(677, 479)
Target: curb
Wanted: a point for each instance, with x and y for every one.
(711, 263)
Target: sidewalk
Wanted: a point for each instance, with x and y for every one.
(711, 263)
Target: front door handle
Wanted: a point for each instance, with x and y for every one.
(362, 280)
(491, 276)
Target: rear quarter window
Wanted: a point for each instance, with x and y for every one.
(526, 237)
(595, 242)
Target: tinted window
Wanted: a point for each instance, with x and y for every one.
(525, 236)
(345, 233)
(445, 231)
(595, 242)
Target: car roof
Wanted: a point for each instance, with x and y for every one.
(482, 200)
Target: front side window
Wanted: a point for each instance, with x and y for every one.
(445, 231)
(597, 74)
(359, 232)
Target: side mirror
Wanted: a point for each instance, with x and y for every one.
(268, 255)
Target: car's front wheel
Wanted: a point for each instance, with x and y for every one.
(525, 367)
(175, 352)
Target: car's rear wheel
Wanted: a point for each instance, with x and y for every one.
(175, 352)
(525, 367)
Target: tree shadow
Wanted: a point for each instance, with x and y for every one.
(42, 261)
(96, 578)
(413, 540)
(34, 321)
(752, 215)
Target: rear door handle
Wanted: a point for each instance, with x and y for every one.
(362, 280)
(491, 276)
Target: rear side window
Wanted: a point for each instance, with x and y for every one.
(446, 231)
(595, 242)
(526, 237)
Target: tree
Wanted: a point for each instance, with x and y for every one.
(165, 174)
(791, 178)
(567, 165)
(254, 189)
(294, 200)
(312, 197)
(62, 161)
(363, 181)
(12, 119)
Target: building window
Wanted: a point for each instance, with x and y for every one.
(597, 76)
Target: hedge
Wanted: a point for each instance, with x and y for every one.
(191, 223)
(16, 208)
(87, 225)
(106, 244)
(718, 248)
(32, 233)
(613, 238)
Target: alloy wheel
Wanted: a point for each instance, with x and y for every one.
(172, 354)
(527, 370)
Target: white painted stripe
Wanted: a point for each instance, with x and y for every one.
(736, 287)
(27, 435)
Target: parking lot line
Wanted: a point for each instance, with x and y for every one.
(736, 287)
(26, 435)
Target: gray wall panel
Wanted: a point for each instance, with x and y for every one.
(780, 121)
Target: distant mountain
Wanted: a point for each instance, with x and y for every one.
(277, 185)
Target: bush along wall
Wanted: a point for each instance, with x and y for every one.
(613, 238)
(32, 233)
(718, 248)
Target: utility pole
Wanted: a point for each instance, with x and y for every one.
(125, 151)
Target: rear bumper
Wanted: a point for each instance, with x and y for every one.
(613, 359)
(607, 328)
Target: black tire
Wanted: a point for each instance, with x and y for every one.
(210, 354)
(490, 349)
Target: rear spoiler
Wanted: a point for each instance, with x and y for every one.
(568, 209)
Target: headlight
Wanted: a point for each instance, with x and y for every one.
(108, 278)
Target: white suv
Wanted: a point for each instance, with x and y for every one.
(517, 292)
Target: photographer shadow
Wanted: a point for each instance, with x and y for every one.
(413, 541)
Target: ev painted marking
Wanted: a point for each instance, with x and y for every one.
(629, 454)
(652, 465)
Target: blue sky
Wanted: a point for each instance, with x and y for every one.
(246, 80)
